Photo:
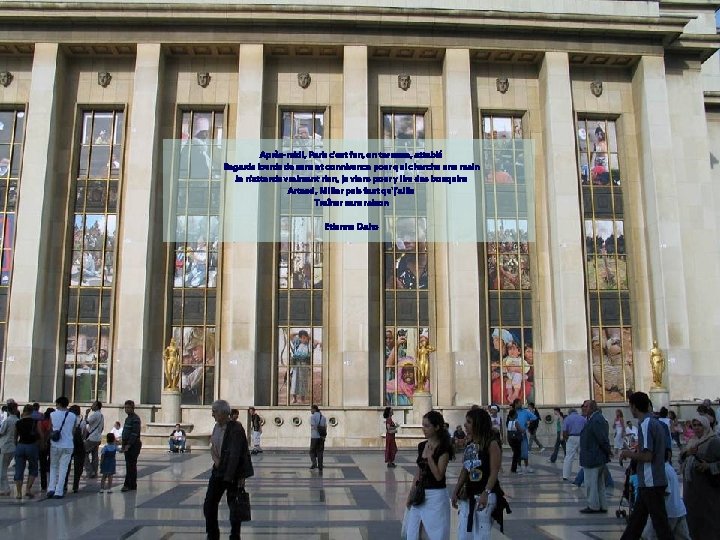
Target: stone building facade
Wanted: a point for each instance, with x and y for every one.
(562, 300)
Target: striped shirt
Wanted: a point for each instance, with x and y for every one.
(651, 438)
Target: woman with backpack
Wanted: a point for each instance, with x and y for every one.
(477, 492)
(515, 435)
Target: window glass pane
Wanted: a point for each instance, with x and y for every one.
(195, 258)
(610, 335)
(405, 275)
(94, 227)
(299, 364)
(508, 271)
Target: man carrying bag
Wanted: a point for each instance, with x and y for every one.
(231, 466)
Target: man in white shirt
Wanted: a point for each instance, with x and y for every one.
(675, 510)
(94, 430)
(61, 450)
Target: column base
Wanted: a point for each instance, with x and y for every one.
(422, 403)
(170, 402)
(660, 397)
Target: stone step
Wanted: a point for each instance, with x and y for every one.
(188, 448)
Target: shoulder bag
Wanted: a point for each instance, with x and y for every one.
(56, 434)
(322, 427)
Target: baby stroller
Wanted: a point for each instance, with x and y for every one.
(629, 492)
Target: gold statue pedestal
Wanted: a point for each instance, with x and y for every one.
(170, 403)
(660, 397)
(422, 404)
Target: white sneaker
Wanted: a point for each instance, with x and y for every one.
(529, 470)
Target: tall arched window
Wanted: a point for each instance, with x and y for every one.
(405, 267)
(195, 257)
(12, 136)
(91, 289)
(608, 297)
(300, 276)
(507, 260)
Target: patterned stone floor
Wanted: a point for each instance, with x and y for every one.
(356, 498)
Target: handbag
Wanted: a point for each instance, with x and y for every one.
(417, 493)
(392, 429)
(240, 505)
(56, 434)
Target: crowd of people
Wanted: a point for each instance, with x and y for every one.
(61, 439)
(659, 507)
(52, 443)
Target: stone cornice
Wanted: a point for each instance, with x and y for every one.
(700, 47)
(665, 30)
(158, 13)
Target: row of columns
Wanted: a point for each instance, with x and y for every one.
(562, 372)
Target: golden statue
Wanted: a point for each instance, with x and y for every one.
(171, 359)
(423, 364)
(657, 364)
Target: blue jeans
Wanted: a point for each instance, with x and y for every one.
(558, 443)
(26, 453)
(524, 448)
(179, 445)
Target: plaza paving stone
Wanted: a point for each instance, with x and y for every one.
(356, 498)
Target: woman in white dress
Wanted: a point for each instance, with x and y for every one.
(619, 426)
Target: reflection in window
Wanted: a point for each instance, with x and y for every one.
(12, 135)
(195, 255)
(605, 260)
(405, 268)
(507, 261)
(300, 276)
(92, 261)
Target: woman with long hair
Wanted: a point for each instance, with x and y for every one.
(701, 479)
(478, 488)
(619, 427)
(390, 444)
(433, 456)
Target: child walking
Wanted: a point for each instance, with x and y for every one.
(107, 464)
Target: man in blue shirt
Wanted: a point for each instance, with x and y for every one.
(572, 428)
(650, 458)
(524, 417)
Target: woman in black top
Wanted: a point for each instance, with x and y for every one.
(477, 488)
(26, 450)
(433, 457)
